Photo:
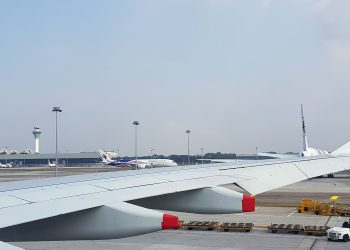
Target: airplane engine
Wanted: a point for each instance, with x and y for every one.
(106, 222)
(213, 200)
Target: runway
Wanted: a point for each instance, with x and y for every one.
(277, 206)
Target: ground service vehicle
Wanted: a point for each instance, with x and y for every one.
(322, 208)
(338, 233)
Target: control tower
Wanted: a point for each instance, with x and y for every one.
(36, 133)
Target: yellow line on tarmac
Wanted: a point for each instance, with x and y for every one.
(261, 226)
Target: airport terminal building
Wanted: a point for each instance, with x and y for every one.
(67, 159)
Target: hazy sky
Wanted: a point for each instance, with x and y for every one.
(234, 72)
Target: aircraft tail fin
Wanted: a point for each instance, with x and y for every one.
(305, 144)
(105, 157)
(53, 164)
(345, 149)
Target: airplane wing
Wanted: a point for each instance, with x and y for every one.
(120, 204)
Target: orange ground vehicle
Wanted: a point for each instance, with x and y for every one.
(323, 208)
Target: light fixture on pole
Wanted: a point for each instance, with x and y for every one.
(188, 145)
(136, 123)
(56, 110)
(152, 153)
(6, 152)
(202, 154)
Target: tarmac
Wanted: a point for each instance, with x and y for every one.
(26, 173)
(277, 206)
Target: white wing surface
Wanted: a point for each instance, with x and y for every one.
(90, 206)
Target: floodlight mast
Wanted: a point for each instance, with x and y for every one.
(56, 110)
(188, 145)
(202, 154)
(136, 123)
(6, 152)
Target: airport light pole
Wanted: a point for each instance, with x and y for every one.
(136, 123)
(202, 154)
(188, 132)
(56, 110)
(152, 153)
(5, 155)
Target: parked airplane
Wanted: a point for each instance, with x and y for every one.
(152, 163)
(307, 151)
(139, 163)
(51, 164)
(6, 165)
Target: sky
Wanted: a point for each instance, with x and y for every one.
(233, 72)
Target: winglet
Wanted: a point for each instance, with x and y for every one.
(345, 149)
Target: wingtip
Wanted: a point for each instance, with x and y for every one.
(345, 149)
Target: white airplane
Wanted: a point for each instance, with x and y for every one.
(27, 151)
(51, 164)
(152, 163)
(6, 165)
(139, 164)
(121, 204)
(307, 151)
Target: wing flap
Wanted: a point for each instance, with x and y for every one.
(9, 201)
(55, 192)
(128, 182)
